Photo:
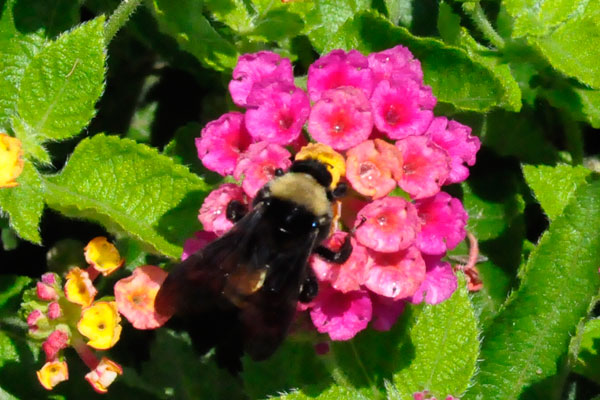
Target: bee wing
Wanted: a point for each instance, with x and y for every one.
(197, 283)
(267, 314)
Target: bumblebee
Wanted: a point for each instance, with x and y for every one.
(240, 293)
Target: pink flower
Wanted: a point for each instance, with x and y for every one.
(258, 164)
(397, 60)
(338, 68)
(390, 224)
(458, 142)
(222, 141)
(385, 311)
(439, 284)
(444, 221)
(341, 315)
(398, 110)
(341, 118)
(344, 277)
(198, 242)
(46, 292)
(396, 275)
(277, 112)
(33, 318)
(256, 68)
(426, 166)
(373, 167)
(55, 342)
(49, 278)
(213, 213)
(54, 310)
(135, 297)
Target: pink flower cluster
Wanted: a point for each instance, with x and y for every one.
(377, 112)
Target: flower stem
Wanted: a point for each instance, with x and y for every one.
(483, 24)
(85, 353)
(119, 17)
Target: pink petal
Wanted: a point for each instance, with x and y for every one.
(373, 167)
(344, 277)
(397, 109)
(385, 311)
(222, 141)
(257, 68)
(258, 164)
(213, 213)
(341, 315)
(46, 292)
(198, 242)
(277, 112)
(55, 342)
(397, 60)
(444, 220)
(54, 310)
(426, 166)
(396, 275)
(439, 284)
(458, 142)
(341, 118)
(338, 68)
(390, 224)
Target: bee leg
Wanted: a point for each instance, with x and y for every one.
(309, 288)
(337, 257)
(339, 191)
(236, 210)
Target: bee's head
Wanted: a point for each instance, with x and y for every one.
(314, 168)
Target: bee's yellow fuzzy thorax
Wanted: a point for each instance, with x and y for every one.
(302, 189)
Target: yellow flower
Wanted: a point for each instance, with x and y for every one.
(53, 373)
(79, 288)
(333, 160)
(103, 255)
(100, 324)
(103, 375)
(11, 160)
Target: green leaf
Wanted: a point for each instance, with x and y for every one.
(51, 17)
(332, 393)
(24, 204)
(304, 370)
(448, 24)
(588, 360)
(520, 135)
(16, 52)
(554, 186)
(231, 12)
(399, 11)
(189, 376)
(332, 15)
(444, 345)
(583, 103)
(62, 83)
(527, 342)
(184, 21)
(537, 17)
(11, 287)
(572, 48)
(454, 77)
(129, 187)
(277, 25)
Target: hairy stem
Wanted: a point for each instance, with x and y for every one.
(476, 13)
(119, 17)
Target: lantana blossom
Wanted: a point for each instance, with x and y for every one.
(61, 316)
(11, 160)
(222, 141)
(103, 375)
(371, 123)
(339, 68)
(213, 213)
(135, 297)
(257, 68)
(277, 112)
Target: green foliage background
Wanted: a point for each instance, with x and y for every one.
(107, 103)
